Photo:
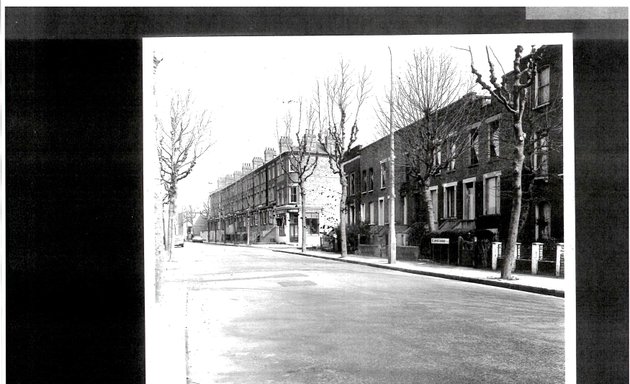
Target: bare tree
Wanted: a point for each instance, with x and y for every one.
(181, 143)
(512, 92)
(206, 213)
(302, 157)
(337, 104)
(189, 215)
(429, 115)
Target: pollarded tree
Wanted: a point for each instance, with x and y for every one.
(181, 142)
(337, 104)
(302, 155)
(430, 115)
(512, 93)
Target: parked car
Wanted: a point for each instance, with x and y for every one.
(178, 241)
(197, 239)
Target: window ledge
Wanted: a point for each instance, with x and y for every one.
(541, 105)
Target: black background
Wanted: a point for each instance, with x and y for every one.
(74, 221)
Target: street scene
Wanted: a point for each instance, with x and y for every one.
(334, 215)
(259, 316)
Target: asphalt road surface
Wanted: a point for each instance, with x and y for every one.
(258, 316)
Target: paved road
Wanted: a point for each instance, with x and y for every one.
(257, 316)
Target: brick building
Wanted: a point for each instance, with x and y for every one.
(473, 191)
(265, 195)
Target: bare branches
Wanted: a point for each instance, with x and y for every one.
(337, 107)
(182, 142)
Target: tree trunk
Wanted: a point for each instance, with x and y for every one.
(303, 197)
(509, 254)
(171, 225)
(342, 215)
(431, 215)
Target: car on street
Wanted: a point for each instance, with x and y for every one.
(178, 241)
(197, 239)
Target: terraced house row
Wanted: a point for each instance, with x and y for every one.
(471, 193)
(262, 201)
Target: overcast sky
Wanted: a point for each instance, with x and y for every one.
(246, 82)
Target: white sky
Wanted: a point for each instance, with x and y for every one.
(243, 82)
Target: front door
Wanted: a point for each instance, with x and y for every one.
(293, 227)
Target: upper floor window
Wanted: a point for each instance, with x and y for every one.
(451, 153)
(542, 87)
(364, 182)
(383, 173)
(371, 179)
(540, 155)
(493, 138)
(437, 158)
(293, 196)
(474, 146)
(350, 184)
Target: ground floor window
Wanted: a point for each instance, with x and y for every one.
(381, 211)
(450, 200)
(312, 222)
(351, 214)
(469, 199)
(543, 221)
(492, 194)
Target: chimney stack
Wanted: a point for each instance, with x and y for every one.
(257, 162)
(270, 154)
(247, 168)
(285, 144)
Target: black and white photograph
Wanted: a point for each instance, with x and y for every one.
(315, 195)
(322, 201)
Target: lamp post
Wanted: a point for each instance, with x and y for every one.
(392, 187)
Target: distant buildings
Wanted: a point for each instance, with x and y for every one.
(262, 200)
(472, 193)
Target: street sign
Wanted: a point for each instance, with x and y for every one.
(440, 240)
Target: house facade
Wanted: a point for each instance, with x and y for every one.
(262, 201)
(473, 191)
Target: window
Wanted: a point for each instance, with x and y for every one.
(293, 191)
(493, 139)
(437, 157)
(469, 199)
(451, 150)
(474, 146)
(312, 222)
(351, 214)
(542, 87)
(381, 211)
(543, 221)
(404, 210)
(371, 212)
(383, 174)
(362, 218)
(364, 181)
(540, 155)
(492, 194)
(352, 191)
(450, 200)
(371, 179)
(281, 196)
(433, 191)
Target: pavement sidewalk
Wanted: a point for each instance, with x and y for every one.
(545, 285)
